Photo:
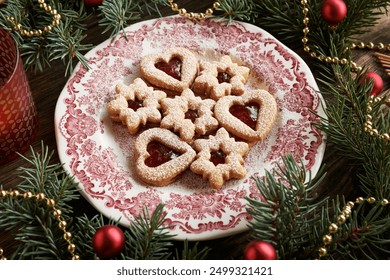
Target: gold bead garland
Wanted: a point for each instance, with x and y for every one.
(327, 239)
(354, 68)
(15, 194)
(191, 15)
(2, 258)
(371, 46)
(335, 59)
(368, 125)
(56, 18)
(347, 209)
(333, 228)
(313, 54)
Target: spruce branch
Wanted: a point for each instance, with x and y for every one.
(152, 6)
(362, 15)
(38, 235)
(34, 226)
(284, 20)
(84, 229)
(299, 220)
(192, 253)
(62, 42)
(47, 178)
(364, 235)
(281, 18)
(238, 10)
(148, 238)
(346, 114)
(66, 44)
(43, 240)
(35, 54)
(117, 14)
(290, 208)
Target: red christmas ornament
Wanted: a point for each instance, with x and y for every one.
(93, 3)
(259, 250)
(334, 11)
(108, 241)
(377, 82)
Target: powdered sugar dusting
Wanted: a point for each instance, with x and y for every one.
(161, 79)
(165, 173)
(265, 118)
(99, 153)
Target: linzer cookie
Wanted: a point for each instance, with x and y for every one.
(221, 78)
(135, 105)
(188, 115)
(250, 116)
(173, 70)
(161, 156)
(220, 158)
(207, 123)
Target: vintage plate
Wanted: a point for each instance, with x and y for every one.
(99, 153)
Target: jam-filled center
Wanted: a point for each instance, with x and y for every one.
(134, 104)
(172, 68)
(247, 113)
(191, 115)
(217, 157)
(223, 77)
(159, 154)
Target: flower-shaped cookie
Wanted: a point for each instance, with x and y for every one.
(161, 156)
(135, 105)
(221, 78)
(173, 70)
(189, 115)
(249, 116)
(220, 158)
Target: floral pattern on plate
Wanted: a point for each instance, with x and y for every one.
(99, 153)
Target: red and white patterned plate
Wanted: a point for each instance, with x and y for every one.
(99, 153)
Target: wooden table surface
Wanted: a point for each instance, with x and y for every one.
(46, 87)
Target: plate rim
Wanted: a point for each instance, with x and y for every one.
(205, 235)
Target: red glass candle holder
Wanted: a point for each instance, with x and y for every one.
(18, 115)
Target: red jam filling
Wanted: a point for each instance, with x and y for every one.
(159, 154)
(247, 113)
(172, 68)
(223, 77)
(217, 157)
(191, 115)
(134, 104)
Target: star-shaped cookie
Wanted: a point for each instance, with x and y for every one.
(189, 115)
(220, 158)
(221, 78)
(135, 105)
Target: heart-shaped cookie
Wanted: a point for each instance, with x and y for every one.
(249, 116)
(173, 70)
(161, 156)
